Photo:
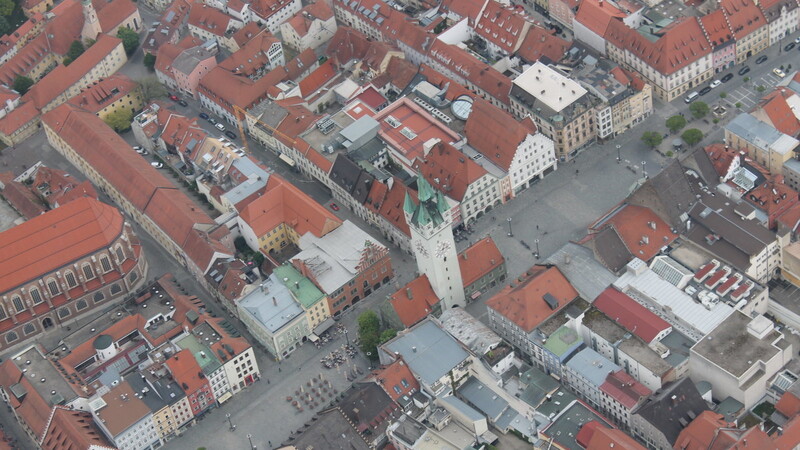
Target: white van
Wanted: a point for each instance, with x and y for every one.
(691, 97)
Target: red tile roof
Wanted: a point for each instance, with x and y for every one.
(596, 15)
(630, 314)
(185, 370)
(604, 438)
(266, 8)
(312, 155)
(464, 8)
(122, 409)
(716, 28)
(317, 79)
(790, 218)
(540, 42)
(252, 57)
(773, 197)
(721, 157)
(283, 203)
(302, 20)
(16, 119)
(414, 301)
(503, 26)
(679, 44)
(642, 231)
(780, 114)
(702, 431)
(20, 197)
(103, 93)
(346, 45)
(788, 405)
(453, 90)
(72, 428)
(32, 408)
(168, 52)
(247, 32)
(28, 57)
(743, 16)
(523, 301)
(209, 19)
(396, 379)
(65, 27)
(586, 433)
(64, 234)
(478, 260)
(388, 202)
(449, 170)
(786, 441)
(499, 148)
(625, 389)
(475, 72)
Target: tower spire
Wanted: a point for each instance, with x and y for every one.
(91, 25)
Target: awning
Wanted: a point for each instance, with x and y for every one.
(224, 397)
(313, 337)
(323, 327)
(286, 159)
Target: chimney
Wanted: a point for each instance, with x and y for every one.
(414, 349)
(408, 294)
(600, 2)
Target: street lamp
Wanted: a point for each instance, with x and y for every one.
(619, 155)
(510, 233)
(250, 438)
(232, 426)
(536, 241)
(644, 169)
(346, 337)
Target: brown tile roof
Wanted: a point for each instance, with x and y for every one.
(247, 32)
(103, 93)
(680, 44)
(721, 157)
(283, 203)
(317, 79)
(540, 42)
(302, 20)
(298, 119)
(396, 379)
(65, 27)
(112, 17)
(523, 302)
(787, 440)
(388, 202)
(251, 59)
(788, 405)
(347, 44)
(185, 370)
(399, 72)
(267, 8)
(20, 116)
(743, 16)
(501, 25)
(168, 52)
(780, 114)
(466, 66)
(72, 428)
(20, 197)
(63, 77)
(167, 31)
(414, 301)
(313, 156)
(28, 57)
(464, 8)
(454, 88)
(716, 28)
(642, 231)
(478, 260)
(32, 408)
(596, 15)
(624, 388)
(702, 431)
(64, 234)
(123, 409)
(209, 19)
(773, 197)
(613, 438)
(449, 170)
(481, 134)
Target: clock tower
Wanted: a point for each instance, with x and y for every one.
(432, 240)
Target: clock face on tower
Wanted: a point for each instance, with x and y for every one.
(421, 249)
(442, 248)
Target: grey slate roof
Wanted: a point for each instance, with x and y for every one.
(592, 366)
(428, 350)
(351, 177)
(578, 265)
(668, 194)
(483, 398)
(668, 415)
(454, 403)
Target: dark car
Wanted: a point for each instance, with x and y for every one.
(204, 116)
(230, 134)
(727, 78)
(744, 70)
(789, 46)
(183, 103)
(705, 90)
(761, 59)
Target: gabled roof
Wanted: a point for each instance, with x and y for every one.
(72, 428)
(414, 301)
(267, 8)
(247, 32)
(788, 405)
(112, 17)
(716, 28)
(630, 314)
(396, 379)
(481, 132)
(503, 26)
(743, 16)
(317, 79)
(56, 238)
(388, 203)
(347, 44)
(104, 92)
(625, 389)
(302, 20)
(612, 438)
(478, 260)
(780, 113)
(32, 409)
(596, 15)
(252, 57)
(27, 57)
(464, 8)
(721, 157)
(678, 45)
(185, 370)
(642, 231)
(449, 170)
(541, 293)
(541, 43)
(209, 19)
(702, 432)
(676, 403)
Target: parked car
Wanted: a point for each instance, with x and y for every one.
(714, 84)
(761, 59)
(692, 97)
(744, 70)
(727, 78)
(183, 103)
(789, 46)
(212, 121)
(797, 40)
(334, 206)
(778, 72)
(230, 134)
(141, 151)
(173, 97)
(137, 148)
(156, 164)
(219, 126)
(204, 116)
(705, 90)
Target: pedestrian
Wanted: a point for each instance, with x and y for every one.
(279, 370)
(267, 380)
(537, 227)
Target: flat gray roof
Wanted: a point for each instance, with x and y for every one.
(483, 398)
(271, 305)
(428, 350)
(565, 427)
(578, 265)
(592, 365)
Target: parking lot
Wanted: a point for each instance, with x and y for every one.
(747, 94)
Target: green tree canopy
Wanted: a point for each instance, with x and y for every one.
(369, 328)
(22, 84)
(675, 123)
(388, 335)
(5, 26)
(699, 109)
(130, 39)
(120, 120)
(652, 138)
(692, 136)
(76, 49)
(150, 61)
(151, 88)
(6, 7)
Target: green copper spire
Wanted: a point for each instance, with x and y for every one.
(424, 190)
(441, 203)
(408, 204)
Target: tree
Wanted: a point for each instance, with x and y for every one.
(369, 326)
(739, 105)
(652, 138)
(388, 335)
(761, 88)
(130, 39)
(6, 7)
(151, 88)
(699, 109)
(241, 244)
(76, 49)
(675, 123)
(22, 84)
(5, 26)
(692, 136)
(723, 94)
(150, 61)
(120, 120)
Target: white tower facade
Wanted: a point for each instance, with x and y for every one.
(433, 243)
(91, 24)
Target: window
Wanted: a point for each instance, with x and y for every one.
(18, 305)
(115, 289)
(52, 286)
(105, 263)
(36, 296)
(88, 272)
(134, 277)
(28, 329)
(99, 297)
(70, 277)
(11, 337)
(63, 312)
(81, 304)
(2, 313)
